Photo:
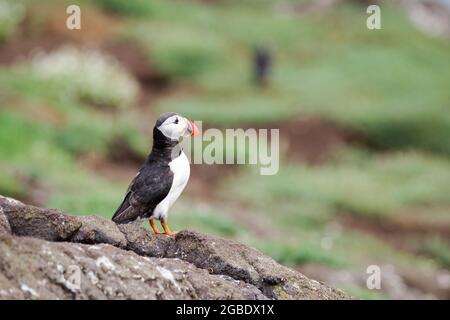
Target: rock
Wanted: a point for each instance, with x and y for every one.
(221, 256)
(143, 242)
(38, 269)
(48, 224)
(95, 229)
(105, 261)
(5, 228)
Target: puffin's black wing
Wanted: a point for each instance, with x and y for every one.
(150, 186)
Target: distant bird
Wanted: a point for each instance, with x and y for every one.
(162, 177)
(262, 64)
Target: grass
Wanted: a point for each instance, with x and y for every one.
(365, 294)
(230, 111)
(211, 220)
(73, 189)
(376, 186)
(87, 196)
(295, 255)
(33, 153)
(134, 8)
(439, 249)
(11, 184)
(43, 131)
(323, 66)
(11, 14)
(73, 125)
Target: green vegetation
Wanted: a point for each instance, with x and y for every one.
(11, 183)
(375, 186)
(11, 14)
(296, 255)
(54, 116)
(42, 132)
(88, 75)
(130, 7)
(211, 221)
(365, 293)
(356, 68)
(440, 250)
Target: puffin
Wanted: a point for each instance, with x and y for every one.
(163, 176)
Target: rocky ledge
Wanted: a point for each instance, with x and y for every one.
(47, 254)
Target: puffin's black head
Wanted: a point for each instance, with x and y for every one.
(171, 127)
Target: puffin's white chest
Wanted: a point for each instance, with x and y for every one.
(181, 171)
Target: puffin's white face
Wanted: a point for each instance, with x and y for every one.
(176, 127)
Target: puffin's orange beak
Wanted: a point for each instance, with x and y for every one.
(193, 128)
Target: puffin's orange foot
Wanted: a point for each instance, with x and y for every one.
(154, 227)
(167, 229)
(170, 233)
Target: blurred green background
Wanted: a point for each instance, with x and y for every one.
(363, 116)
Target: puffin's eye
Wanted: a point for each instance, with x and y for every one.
(176, 121)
